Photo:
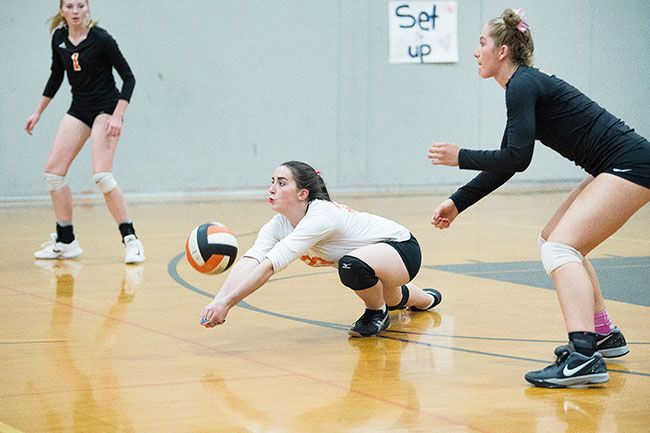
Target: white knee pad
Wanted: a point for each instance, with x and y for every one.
(540, 242)
(556, 254)
(105, 182)
(53, 181)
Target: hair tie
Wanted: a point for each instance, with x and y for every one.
(523, 25)
(318, 172)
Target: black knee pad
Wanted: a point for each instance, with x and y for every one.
(356, 274)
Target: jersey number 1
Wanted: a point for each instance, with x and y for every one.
(75, 62)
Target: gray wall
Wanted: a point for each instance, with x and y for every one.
(227, 90)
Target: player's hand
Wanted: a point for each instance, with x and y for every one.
(444, 154)
(444, 214)
(214, 314)
(31, 122)
(114, 126)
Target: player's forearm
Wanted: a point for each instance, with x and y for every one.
(42, 104)
(250, 283)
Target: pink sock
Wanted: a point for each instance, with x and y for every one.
(602, 322)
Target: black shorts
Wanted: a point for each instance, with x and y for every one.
(410, 253)
(87, 114)
(634, 165)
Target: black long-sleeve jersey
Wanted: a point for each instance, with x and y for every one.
(89, 67)
(543, 107)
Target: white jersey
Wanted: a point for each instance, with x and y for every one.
(327, 232)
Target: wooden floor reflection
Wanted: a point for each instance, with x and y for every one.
(93, 345)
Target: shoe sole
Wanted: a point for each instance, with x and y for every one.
(354, 334)
(614, 352)
(58, 257)
(571, 381)
(138, 260)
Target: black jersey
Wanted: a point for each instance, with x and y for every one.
(543, 107)
(89, 67)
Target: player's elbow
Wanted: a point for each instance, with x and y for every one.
(518, 162)
(520, 166)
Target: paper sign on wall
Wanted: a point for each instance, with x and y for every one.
(422, 31)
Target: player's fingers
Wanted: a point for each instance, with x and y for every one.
(206, 315)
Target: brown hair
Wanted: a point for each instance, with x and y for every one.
(511, 29)
(308, 178)
(58, 20)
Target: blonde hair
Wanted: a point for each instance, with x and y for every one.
(58, 21)
(511, 29)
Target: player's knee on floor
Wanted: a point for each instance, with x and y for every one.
(356, 274)
(556, 254)
(53, 181)
(403, 301)
(105, 182)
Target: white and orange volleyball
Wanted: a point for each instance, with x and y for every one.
(211, 248)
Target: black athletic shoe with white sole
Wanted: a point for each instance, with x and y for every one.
(570, 369)
(610, 345)
(437, 299)
(372, 322)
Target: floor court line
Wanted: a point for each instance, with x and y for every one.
(242, 304)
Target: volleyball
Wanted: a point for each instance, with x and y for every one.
(211, 248)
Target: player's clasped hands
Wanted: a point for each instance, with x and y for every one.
(214, 314)
(443, 154)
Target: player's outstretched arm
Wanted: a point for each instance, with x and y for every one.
(241, 282)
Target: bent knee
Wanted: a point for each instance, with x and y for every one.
(557, 254)
(356, 274)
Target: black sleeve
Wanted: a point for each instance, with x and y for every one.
(56, 74)
(118, 61)
(483, 184)
(519, 140)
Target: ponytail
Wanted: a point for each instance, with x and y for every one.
(56, 21)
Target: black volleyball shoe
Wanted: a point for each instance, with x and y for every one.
(371, 323)
(571, 369)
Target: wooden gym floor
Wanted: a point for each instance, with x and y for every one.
(93, 345)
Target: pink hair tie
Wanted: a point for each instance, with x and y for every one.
(318, 172)
(523, 25)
